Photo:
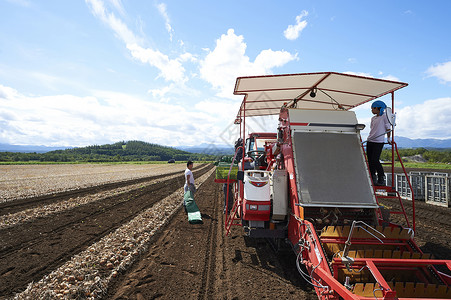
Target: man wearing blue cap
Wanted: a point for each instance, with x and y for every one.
(379, 127)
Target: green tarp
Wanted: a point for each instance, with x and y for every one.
(194, 216)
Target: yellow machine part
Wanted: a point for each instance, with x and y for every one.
(404, 283)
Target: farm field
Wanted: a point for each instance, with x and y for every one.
(23, 181)
(126, 237)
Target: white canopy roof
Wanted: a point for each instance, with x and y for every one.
(264, 95)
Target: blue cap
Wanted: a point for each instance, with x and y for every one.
(381, 105)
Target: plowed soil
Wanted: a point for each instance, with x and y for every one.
(33, 249)
(200, 262)
(184, 261)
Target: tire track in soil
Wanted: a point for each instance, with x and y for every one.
(206, 290)
(31, 250)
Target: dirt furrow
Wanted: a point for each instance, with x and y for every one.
(199, 262)
(206, 290)
(31, 250)
(12, 206)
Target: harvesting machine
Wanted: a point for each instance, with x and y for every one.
(308, 184)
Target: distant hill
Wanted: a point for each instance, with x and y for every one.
(210, 149)
(131, 150)
(121, 151)
(404, 142)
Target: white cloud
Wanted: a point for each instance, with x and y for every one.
(430, 119)
(292, 32)
(121, 30)
(187, 57)
(441, 71)
(359, 74)
(228, 61)
(175, 93)
(387, 77)
(170, 69)
(268, 59)
(390, 77)
(219, 107)
(117, 4)
(103, 117)
(7, 93)
(162, 9)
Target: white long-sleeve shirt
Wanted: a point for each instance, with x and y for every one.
(378, 128)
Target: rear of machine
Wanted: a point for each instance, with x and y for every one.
(315, 192)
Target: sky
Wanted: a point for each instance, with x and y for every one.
(79, 73)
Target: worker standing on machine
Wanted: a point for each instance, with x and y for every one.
(375, 142)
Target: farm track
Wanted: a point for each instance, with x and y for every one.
(31, 250)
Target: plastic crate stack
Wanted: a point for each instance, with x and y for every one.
(432, 187)
(438, 189)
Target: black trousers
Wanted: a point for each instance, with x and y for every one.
(373, 152)
(230, 202)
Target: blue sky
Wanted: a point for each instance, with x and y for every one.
(77, 73)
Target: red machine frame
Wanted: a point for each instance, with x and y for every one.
(325, 272)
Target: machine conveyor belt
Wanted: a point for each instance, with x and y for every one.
(331, 170)
(404, 290)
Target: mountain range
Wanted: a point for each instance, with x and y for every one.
(215, 149)
(403, 142)
(29, 148)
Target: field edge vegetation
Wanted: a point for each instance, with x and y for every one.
(131, 151)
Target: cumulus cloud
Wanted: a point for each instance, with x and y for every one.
(430, 119)
(103, 117)
(292, 32)
(441, 71)
(228, 61)
(170, 69)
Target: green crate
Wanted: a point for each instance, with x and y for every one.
(222, 170)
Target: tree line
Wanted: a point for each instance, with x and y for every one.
(143, 151)
(430, 155)
(117, 152)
